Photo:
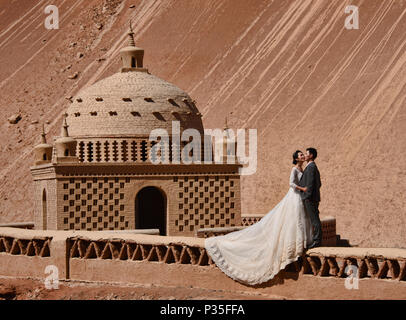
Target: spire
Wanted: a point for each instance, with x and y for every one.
(131, 56)
(131, 42)
(43, 135)
(65, 127)
(43, 151)
(65, 146)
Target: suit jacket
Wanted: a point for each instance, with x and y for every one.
(311, 180)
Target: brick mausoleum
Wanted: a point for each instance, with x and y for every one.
(98, 174)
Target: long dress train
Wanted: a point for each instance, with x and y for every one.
(257, 253)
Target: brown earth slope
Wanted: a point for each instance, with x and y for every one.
(288, 68)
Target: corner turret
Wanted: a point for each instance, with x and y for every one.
(65, 146)
(43, 151)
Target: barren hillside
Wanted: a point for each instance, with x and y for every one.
(288, 68)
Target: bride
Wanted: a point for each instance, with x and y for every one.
(257, 253)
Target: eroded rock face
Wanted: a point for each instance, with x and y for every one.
(288, 69)
(14, 119)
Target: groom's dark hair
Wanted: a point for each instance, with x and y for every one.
(313, 152)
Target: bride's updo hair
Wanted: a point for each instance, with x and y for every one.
(295, 156)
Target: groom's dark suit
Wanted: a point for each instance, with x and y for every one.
(311, 198)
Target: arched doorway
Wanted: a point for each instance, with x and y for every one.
(150, 209)
(44, 210)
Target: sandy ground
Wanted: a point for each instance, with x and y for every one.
(22, 289)
(307, 287)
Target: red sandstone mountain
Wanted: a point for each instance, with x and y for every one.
(288, 68)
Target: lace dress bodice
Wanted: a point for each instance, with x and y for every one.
(294, 179)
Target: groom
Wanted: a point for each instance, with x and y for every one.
(311, 197)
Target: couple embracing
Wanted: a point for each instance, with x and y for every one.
(257, 253)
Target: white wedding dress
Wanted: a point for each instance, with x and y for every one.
(257, 253)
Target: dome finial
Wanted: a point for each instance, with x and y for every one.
(131, 56)
(65, 126)
(43, 135)
(131, 41)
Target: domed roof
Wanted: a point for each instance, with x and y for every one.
(131, 103)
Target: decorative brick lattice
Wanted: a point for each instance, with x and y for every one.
(94, 204)
(379, 263)
(249, 220)
(368, 267)
(126, 150)
(205, 202)
(114, 150)
(29, 247)
(328, 228)
(312, 263)
(329, 234)
(127, 250)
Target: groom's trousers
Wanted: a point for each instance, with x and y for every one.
(312, 210)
